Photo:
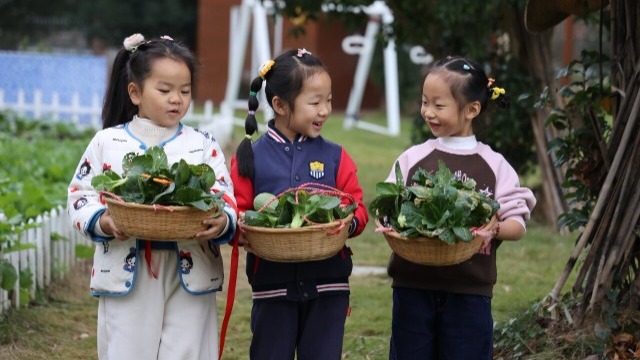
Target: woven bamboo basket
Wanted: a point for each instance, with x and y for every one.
(159, 223)
(433, 251)
(307, 243)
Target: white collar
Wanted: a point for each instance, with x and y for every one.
(459, 142)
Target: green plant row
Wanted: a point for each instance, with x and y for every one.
(38, 158)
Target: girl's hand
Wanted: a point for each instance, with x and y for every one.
(242, 241)
(109, 227)
(215, 226)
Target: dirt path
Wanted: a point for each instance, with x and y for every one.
(62, 324)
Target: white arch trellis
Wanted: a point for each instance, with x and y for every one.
(363, 46)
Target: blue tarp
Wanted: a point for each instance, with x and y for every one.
(49, 73)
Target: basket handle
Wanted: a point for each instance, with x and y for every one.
(314, 188)
(337, 230)
(114, 196)
(155, 207)
(317, 188)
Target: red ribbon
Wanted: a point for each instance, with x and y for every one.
(233, 275)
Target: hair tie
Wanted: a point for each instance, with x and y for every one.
(303, 51)
(466, 67)
(264, 69)
(247, 136)
(252, 112)
(496, 92)
(252, 93)
(132, 42)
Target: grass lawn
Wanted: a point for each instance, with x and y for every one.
(63, 326)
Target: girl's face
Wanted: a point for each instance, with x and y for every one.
(442, 112)
(165, 95)
(312, 108)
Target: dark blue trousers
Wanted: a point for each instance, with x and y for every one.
(436, 325)
(313, 328)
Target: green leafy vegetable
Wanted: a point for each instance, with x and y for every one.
(295, 209)
(148, 179)
(438, 205)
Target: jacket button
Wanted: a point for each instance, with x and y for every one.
(297, 178)
(286, 148)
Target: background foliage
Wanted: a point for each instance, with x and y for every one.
(25, 23)
(479, 30)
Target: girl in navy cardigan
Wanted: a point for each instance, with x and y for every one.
(297, 307)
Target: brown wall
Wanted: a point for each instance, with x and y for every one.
(213, 48)
(322, 38)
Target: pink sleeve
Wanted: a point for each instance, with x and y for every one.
(516, 202)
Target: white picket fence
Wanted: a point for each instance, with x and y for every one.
(49, 260)
(75, 111)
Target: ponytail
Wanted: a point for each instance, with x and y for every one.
(244, 152)
(497, 94)
(117, 106)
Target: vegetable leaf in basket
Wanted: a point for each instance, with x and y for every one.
(148, 179)
(436, 205)
(296, 208)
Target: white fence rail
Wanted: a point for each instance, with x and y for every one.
(54, 244)
(74, 111)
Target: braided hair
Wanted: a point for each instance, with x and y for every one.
(284, 77)
(469, 82)
(133, 63)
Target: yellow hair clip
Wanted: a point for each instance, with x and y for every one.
(496, 92)
(264, 69)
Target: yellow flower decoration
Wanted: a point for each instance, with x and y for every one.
(264, 69)
(496, 92)
(300, 18)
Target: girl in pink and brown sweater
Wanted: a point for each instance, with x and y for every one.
(444, 312)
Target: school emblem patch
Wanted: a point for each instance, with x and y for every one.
(316, 169)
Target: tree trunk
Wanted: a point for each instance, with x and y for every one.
(608, 276)
(535, 51)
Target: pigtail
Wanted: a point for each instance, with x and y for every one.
(244, 152)
(117, 107)
(497, 94)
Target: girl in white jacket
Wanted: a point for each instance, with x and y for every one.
(149, 306)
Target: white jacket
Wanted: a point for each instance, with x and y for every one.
(114, 264)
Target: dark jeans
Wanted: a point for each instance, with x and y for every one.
(436, 325)
(314, 329)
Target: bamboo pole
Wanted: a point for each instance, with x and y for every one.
(603, 199)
